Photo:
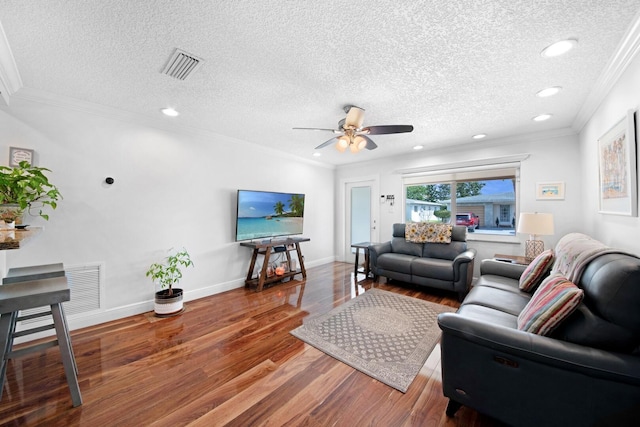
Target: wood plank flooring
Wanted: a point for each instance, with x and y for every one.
(227, 360)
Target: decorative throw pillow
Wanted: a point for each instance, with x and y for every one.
(552, 302)
(533, 274)
(425, 232)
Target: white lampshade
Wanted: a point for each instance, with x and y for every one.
(535, 223)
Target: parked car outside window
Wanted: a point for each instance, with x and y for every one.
(470, 220)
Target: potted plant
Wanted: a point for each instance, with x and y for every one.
(168, 301)
(24, 188)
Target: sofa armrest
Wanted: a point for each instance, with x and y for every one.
(543, 350)
(375, 251)
(467, 256)
(501, 268)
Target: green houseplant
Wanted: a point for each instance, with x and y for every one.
(24, 188)
(168, 301)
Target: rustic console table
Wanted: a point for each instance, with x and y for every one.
(266, 248)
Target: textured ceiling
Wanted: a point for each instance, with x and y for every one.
(452, 69)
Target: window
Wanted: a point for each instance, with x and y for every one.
(482, 200)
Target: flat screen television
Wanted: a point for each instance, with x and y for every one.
(262, 214)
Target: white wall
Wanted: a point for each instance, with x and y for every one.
(170, 190)
(553, 156)
(614, 230)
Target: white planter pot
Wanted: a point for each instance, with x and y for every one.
(168, 305)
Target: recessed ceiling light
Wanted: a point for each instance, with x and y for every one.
(479, 136)
(550, 91)
(418, 147)
(317, 154)
(541, 117)
(559, 48)
(170, 112)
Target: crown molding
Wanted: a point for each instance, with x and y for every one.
(10, 81)
(626, 52)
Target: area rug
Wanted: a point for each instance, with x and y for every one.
(384, 335)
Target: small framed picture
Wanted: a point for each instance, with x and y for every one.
(550, 190)
(17, 155)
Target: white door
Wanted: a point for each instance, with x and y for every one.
(361, 220)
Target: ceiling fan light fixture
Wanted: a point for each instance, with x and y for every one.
(359, 142)
(354, 148)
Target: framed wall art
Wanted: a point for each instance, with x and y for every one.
(550, 190)
(17, 155)
(617, 187)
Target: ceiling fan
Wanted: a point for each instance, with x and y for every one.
(353, 135)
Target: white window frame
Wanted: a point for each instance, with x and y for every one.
(461, 173)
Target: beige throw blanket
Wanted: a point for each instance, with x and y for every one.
(573, 253)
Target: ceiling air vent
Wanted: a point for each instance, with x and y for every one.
(182, 64)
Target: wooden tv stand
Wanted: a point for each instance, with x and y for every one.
(265, 247)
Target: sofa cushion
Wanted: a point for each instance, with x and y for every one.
(488, 315)
(552, 302)
(433, 268)
(611, 286)
(535, 272)
(396, 262)
(437, 250)
(400, 246)
(506, 284)
(497, 299)
(585, 328)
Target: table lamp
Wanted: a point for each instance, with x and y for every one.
(535, 224)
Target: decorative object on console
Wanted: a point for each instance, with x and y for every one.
(617, 162)
(536, 270)
(535, 224)
(26, 187)
(168, 302)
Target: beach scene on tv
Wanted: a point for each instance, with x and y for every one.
(267, 214)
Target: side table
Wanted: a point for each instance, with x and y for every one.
(365, 248)
(515, 259)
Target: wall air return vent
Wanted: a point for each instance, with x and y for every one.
(182, 64)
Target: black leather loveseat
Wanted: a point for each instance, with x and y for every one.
(586, 372)
(446, 266)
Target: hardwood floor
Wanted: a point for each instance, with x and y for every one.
(227, 360)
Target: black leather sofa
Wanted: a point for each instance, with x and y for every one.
(585, 373)
(446, 266)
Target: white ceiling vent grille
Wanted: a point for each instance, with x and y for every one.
(182, 64)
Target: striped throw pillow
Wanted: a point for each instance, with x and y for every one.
(552, 302)
(533, 274)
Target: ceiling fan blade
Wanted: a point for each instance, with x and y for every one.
(328, 142)
(370, 144)
(383, 130)
(320, 129)
(355, 117)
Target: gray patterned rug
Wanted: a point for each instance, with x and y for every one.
(385, 335)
